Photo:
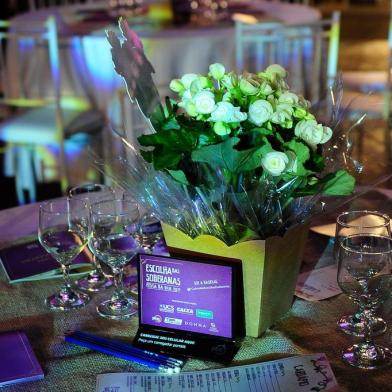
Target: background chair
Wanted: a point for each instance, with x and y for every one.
(309, 52)
(41, 125)
(38, 4)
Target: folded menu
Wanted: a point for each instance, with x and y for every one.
(17, 360)
(300, 373)
(30, 261)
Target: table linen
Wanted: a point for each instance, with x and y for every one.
(309, 327)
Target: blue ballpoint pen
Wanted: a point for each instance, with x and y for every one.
(131, 349)
(106, 350)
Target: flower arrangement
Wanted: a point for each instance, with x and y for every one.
(233, 167)
(241, 156)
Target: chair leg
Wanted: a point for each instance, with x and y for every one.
(24, 174)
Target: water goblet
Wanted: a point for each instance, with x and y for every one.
(93, 193)
(151, 232)
(115, 241)
(64, 230)
(359, 222)
(364, 274)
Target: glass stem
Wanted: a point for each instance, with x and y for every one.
(67, 281)
(118, 284)
(367, 313)
(96, 266)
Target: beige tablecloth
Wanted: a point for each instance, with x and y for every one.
(307, 328)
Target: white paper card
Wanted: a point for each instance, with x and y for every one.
(318, 284)
(300, 373)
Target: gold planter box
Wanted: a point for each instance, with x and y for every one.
(270, 269)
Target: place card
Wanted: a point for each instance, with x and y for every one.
(190, 307)
(300, 373)
(318, 284)
(29, 261)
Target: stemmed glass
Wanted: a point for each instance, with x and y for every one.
(364, 274)
(93, 193)
(151, 232)
(361, 222)
(64, 230)
(115, 240)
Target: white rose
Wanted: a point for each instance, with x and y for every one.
(238, 116)
(187, 79)
(187, 95)
(280, 117)
(309, 131)
(260, 111)
(226, 112)
(327, 135)
(204, 102)
(289, 98)
(229, 81)
(223, 112)
(275, 162)
(265, 89)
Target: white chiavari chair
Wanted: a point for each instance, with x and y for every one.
(309, 52)
(38, 119)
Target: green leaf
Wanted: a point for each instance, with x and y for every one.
(224, 155)
(165, 159)
(179, 176)
(300, 150)
(340, 183)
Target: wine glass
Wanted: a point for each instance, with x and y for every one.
(151, 232)
(64, 230)
(93, 193)
(115, 241)
(364, 274)
(358, 222)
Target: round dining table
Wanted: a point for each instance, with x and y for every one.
(308, 328)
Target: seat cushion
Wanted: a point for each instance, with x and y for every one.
(38, 126)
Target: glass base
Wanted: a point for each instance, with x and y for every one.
(119, 309)
(354, 326)
(67, 300)
(95, 281)
(367, 356)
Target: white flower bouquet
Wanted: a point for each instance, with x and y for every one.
(241, 156)
(233, 167)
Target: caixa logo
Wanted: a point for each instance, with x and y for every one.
(111, 389)
(166, 308)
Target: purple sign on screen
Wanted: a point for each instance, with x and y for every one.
(186, 295)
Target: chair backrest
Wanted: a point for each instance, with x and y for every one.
(28, 52)
(308, 52)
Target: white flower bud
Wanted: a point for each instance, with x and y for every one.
(289, 98)
(176, 86)
(221, 129)
(217, 71)
(187, 79)
(275, 70)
